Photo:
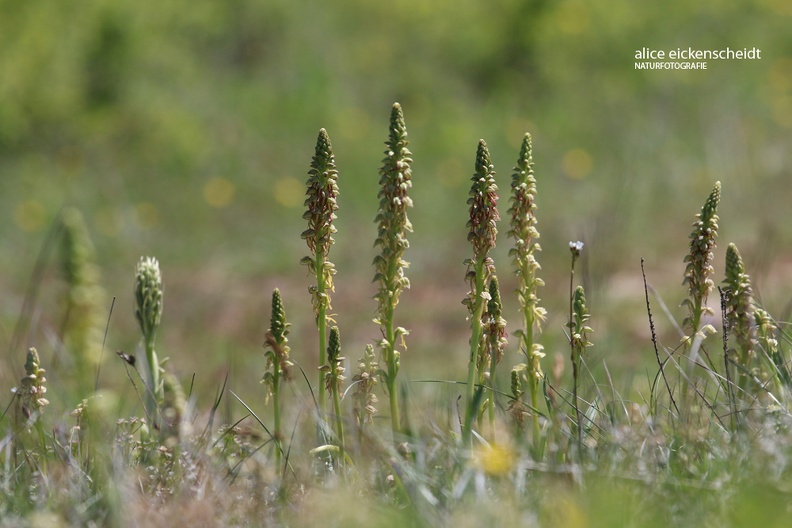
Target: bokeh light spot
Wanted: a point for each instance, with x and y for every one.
(147, 215)
(782, 110)
(780, 74)
(577, 164)
(107, 221)
(30, 216)
(289, 191)
(219, 192)
(573, 18)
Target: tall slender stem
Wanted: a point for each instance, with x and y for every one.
(475, 342)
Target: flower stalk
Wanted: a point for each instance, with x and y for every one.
(31, 398)
(321, 207)
(148, 300)
(365, 399)
(699, 265)
(494, 344)
(392, 226)
(525, 234)
(277, 365)
(334, 378)
(578, 340)
(740, 314)
(483, 231)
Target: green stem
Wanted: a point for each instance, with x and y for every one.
(338, 418)
(390, 359)
(153, 394)
(575, 360)
(321, 323)
(533, 383)
(276, 375)
(491, 409)
(475, 339)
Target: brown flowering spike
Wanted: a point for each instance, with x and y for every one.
(699, 261)
(483, 231)
(321, 196)
(483, 204)
(321, 207)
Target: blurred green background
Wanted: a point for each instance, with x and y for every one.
(185, 130)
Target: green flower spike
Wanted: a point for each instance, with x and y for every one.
(516, 407)
(277, 363)
(578, 339)
(333, 373)
(320, 212)
(85, 298)
(699, 263)
(148, 301)
(523, 230)
(392, 226)
(740, 311)
(483, 231)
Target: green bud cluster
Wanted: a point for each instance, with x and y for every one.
(334, 371)
(579, 324)
(740, 307)
(148, 296)
(276, 345)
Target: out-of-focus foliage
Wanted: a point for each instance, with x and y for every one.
(155, 115)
